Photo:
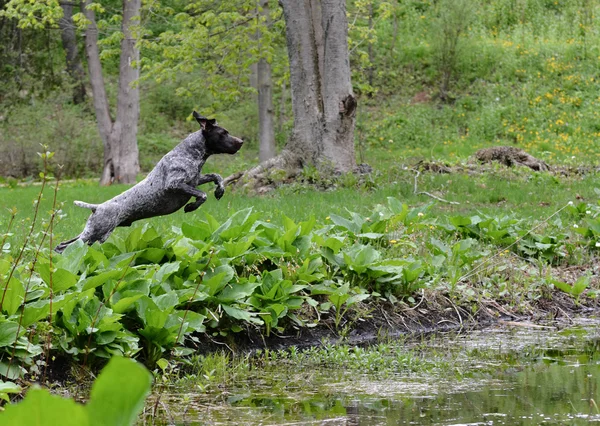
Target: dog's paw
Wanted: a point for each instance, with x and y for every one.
(190, 207)
(219, 192)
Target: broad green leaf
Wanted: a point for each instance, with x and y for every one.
(237, 225)
(306, 227)
(8, 332)
(412, 272)
(119, 393)
(124, 304)
(166, 270)
(350, 226)
(459, 221)
(238, 248)
(12, 294)
(239, 314)
(357, 298)
(216, 279)
(338, 299)
(152, 254)
(134, 242)
(193, 321)
(40, 309)
(41, 408)
(98, 280)
(236, 292)
(360, 257)
(73, 256)
(5, 266)
(580, 285)
(167, 301)
(11, 372)
(335, 243)
(562, 286)
(62, 280)
(7, 388)
(197, 233)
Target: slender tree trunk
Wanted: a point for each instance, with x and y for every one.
(282, 99)
(69, 42)
(370, 52)
(266, 130)
(121, 162)
(124, 132)
(322, 99)
(99, 97)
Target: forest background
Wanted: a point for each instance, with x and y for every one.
(434, 81)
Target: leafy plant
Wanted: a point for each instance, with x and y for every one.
(117, 398)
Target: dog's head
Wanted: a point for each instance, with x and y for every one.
(218, 139)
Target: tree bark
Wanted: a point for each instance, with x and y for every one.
(124, 132)
(322, 100)
(266, 125)
(121, 162)
(99, 97)
(69, 42)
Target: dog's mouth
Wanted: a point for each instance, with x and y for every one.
(237, 144)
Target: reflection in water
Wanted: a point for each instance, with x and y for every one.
(500, 377)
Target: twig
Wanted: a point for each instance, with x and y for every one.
(416, 191)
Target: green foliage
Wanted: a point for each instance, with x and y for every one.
(117, 398)
(215, 41)
(148, 294)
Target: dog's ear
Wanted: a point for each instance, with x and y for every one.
(204, 122)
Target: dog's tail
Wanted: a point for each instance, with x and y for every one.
(92, 207)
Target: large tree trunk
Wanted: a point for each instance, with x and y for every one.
(119, 138)
(323, 104)
(266, 130)
(69, 42)
(322, 100)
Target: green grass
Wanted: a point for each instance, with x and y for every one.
(499, 191)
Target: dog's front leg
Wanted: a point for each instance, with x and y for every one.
(190, 190)
(217, 179)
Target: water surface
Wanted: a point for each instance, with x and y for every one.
(502, 376)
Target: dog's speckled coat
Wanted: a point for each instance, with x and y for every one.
(167, 188)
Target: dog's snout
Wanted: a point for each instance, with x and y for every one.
(238, 142)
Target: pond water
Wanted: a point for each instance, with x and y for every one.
(502, 376)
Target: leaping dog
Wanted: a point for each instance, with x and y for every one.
(167, 188)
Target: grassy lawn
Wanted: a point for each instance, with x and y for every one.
(496, 191)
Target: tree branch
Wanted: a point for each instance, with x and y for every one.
(416, 191)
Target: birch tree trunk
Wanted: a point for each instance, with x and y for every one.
(121, 162)
(69, 42)
(322, 100)
(266, 120)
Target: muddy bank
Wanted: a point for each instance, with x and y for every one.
(433, 312)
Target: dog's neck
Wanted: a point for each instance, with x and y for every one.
(195, 144)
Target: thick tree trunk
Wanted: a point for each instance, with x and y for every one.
(322, 100)
(266, 129)
(121, 162)
(69, 42)
(124, 132)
